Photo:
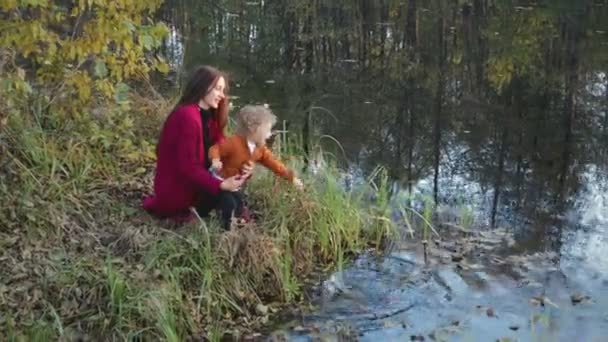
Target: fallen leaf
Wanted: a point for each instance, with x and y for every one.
(514, 327)
(578, 298)
(548, 301)
(542, 300)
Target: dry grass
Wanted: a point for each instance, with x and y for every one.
(250, 250)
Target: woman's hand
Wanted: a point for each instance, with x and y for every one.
(233, 183)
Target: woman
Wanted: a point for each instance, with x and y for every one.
(182, 178)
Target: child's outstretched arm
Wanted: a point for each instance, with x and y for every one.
(279, 169)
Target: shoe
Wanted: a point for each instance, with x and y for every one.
(246, 214)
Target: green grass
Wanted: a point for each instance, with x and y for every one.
(79, 257)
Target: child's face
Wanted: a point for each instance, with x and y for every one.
(261, 133)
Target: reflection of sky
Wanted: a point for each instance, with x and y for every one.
(585, 244)
(589, 244)
(175, 48)
(458, 189)
(597, 88)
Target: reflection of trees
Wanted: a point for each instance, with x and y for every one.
(500, 79)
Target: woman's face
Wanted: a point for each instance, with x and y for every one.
(215, 94)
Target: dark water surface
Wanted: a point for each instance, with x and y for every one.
(494, 110)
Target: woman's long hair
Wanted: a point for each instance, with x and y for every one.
(199, 84)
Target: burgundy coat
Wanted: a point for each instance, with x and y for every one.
(181, 178)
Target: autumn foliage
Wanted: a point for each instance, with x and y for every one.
(69, 54)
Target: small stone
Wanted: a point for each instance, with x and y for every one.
(261, 309)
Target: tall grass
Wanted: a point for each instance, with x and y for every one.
(80, 259)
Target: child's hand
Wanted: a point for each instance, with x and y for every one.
(297, 182)
(216, 164)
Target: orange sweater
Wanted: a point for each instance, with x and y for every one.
(234, 154)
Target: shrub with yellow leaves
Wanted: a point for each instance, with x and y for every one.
(70, 54)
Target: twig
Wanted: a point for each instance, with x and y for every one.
(424, 219)
(402, 259)
(367, 316)
(76, 24)
(393, 313)
(146, 78)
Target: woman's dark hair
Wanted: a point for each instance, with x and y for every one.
(199, 84)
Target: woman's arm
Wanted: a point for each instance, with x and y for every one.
(220, 149)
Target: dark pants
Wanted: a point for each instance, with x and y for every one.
(228, 204)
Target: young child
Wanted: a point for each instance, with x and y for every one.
(247, 144)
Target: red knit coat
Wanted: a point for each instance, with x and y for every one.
(181, 178)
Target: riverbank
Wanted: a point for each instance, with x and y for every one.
(81, 259)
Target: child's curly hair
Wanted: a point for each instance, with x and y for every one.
(251, 117)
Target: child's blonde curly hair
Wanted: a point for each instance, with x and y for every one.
(250, 117)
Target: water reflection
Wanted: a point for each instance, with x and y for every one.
(498, 105)
(589, 245)
(493, 293)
